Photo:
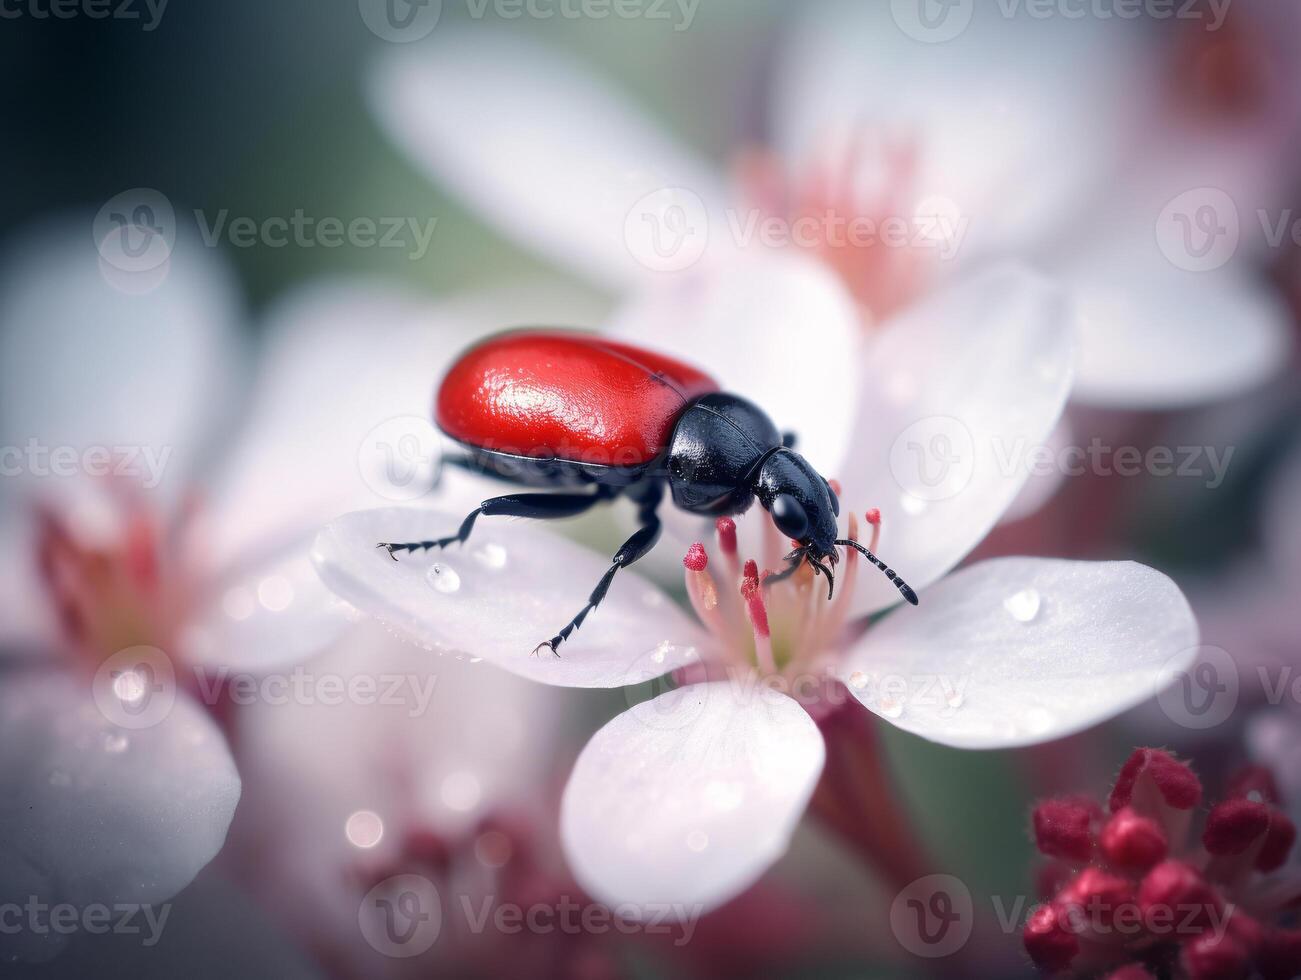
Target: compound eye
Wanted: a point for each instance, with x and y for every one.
(835, 501)
(788, 514)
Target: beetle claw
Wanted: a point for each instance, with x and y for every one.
(389, 548)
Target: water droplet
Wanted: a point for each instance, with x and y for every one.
(954, 699)
(1024, 605)
(491, 555)
(697, 840)
(858, 680)
(913, 506)
(443, 578)
(238, 603)
(60, 778)
(364, 829)
(116, 743)
(661, 651)
(891, 707)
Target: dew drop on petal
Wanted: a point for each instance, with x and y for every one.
(954, 699)
(493, 848)
(912, 506)
(491, 555)
(858, 680)
(238, 603)
(443, 578)
(697, 840)
(1023, 605)
(661, 651)
(891, 707)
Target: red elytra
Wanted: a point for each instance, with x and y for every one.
(566, 395)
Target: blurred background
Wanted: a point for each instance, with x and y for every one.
(1123, 134)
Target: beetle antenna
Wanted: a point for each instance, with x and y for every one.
(831, 582)
(904, 588)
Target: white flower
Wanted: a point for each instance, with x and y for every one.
(987, 145)
(687, 798)
(141, 565)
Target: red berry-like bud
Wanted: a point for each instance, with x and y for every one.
(1132, 841)
(1176, 899)
(1234, 825)
(1174, 781)
(1279, 957)
(1255, 783)
(1096, 897)
(1278, 841)
(1131, 972)
(1047, 939)
(1063, 828)
(1213, 957)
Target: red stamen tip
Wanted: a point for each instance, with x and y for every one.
(1176, 782)
(1278, 841)
(1214, 957)
(1133, 841)
(1063, 828)
(1234, 825)
(695, 559)
(751, 570)
(1174, 884)
(726, 535)
(1048, 939)
(874, 516)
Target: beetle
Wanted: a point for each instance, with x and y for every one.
(592, 419)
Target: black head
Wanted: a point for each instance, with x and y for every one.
(800, 501)
(804, 508)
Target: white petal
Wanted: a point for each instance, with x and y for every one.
(85, 364)
(274, 613)
(1041, 484)
(107, 814)
(775, 328)
(26, 614)
(511, 587)
(681, 803)
(957, 392)
(341, 416)
(1017, 651)
(545, 152)
(1153, 335)
(1001, 124)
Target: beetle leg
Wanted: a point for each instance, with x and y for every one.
(637, 546)
(537, 505)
